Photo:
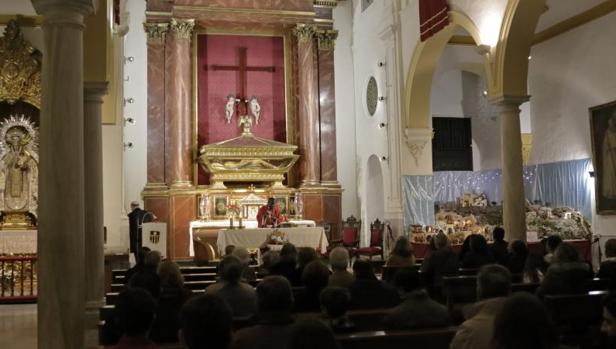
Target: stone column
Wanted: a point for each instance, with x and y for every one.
(156, 33)
(327, 107)
(61, 240)
(308, 100)
(180, 102)
(514, 212)
(94, 222)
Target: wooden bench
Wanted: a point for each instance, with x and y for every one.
(364, 320)
(412, 339)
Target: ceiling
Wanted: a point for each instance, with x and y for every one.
(560, 10)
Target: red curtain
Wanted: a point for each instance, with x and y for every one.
(432, 17)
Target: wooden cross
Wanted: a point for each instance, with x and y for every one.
(243, 69)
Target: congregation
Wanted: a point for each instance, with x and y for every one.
(305, 300)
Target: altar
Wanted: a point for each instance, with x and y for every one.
(253, 238)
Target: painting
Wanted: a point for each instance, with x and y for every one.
(281, 202)
(220, 206)
(603, 138)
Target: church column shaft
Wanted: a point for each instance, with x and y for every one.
(514, 212)
(156, 103)
(94, 222)
(308, 100)
(327, 107)
(61, 241)
(180, 102)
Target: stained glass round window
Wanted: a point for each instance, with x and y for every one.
(372, 95)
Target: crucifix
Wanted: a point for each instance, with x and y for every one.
(242, 68)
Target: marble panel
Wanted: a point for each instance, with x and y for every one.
(328, 115)
(332, 212)
(323, 12)
(182, 210)
(156, 113)
(159, 206)
(313, 207)
(158, 6)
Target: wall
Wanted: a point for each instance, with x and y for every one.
(567, 75)
(345, 108)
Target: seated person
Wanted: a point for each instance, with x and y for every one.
(516, 260)
(566, 274)
(312, 333)
(368, 292)
(417, 309)
(172, 296)
(551, 243)
(607, 269)
(335, 303)
(205, 322)
(498, 249)
(269, 215)
(248, 274)
(402, 254)
(608, 327)
(478, 254)
(287, 265)
(439, 263)
(339, 260)
(275, 320)
(305, 255)
(135, 312)
(314, 278)
(240, 296)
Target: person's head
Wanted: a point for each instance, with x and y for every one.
(143, 251)
(274, 295)
(146, 280)
(135, 310)
(134, 205)
(170, 275)
(271, 202)
(565, 253)
(241, 252)
(315, 276)
(152, 259)
(609, 316)
(403, 247)
(518, 248)
(363, 270)
(440, 240)
(552, 242)
(478, 244)
(524, 323)
(339, 258)
(310, 334)
(306, 255)
(288, 252)
(205, 322)
(610, 248)
(498, 234)
(407, 280)
(230, 269)
(269, 259)
(335, 301)
(229, 249)
(493, 280)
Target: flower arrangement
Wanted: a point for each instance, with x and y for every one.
(277, 237)
(233, 210)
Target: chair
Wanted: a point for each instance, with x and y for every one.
(350, 236)
(376, 241)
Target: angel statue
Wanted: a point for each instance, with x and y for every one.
(255, 108)
(229, 108)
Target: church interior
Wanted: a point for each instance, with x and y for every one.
(388, 158)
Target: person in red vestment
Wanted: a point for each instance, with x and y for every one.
(269, 215)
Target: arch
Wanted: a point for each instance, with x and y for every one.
(374, 197)
(513, 48)
(423, 63)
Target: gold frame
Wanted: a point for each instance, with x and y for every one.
(214, 209)
(593, 141)
(288, 81)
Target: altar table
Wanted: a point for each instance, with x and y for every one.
(254, 238)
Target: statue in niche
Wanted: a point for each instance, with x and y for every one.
(255, 109)
(19, 169)
(230, 108)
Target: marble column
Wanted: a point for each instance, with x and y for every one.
(61, 242)
(327, 107)
(94, 222)
(179, 98)
(514, 212)
(156, 33)
(308, 101)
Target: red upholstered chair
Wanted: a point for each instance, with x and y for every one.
(350, 236)
(376, 241)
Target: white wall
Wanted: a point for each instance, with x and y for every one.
(345, 108)
(567, 75)
(115, 217)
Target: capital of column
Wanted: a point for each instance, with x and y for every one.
(182, 28)
(509, 104)
(93, 91)
(156, 32)
(70, 12)
(416, 140)
(327, 39)
(304, 32)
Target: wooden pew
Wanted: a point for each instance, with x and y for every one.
(412, 339)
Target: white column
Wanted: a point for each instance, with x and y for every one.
(94, 244)
(61, 182)
(514, 212)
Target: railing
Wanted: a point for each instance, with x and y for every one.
(18, 279)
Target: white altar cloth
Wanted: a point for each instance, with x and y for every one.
(223, 223)
(17, 241)
(253, 238)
